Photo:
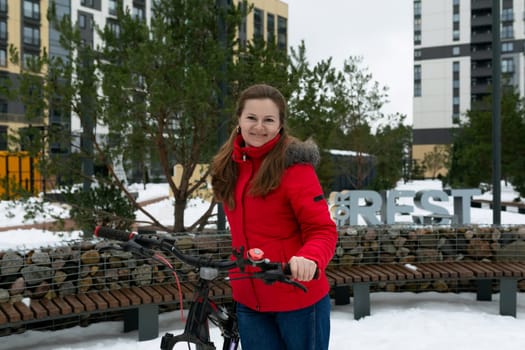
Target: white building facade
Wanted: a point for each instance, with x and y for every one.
(453, 63)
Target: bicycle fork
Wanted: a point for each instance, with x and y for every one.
(197, 331)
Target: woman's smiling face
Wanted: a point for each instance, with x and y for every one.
(259, 121)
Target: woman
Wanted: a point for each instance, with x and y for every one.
(273, 201)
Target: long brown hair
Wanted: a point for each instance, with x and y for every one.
(224, 169)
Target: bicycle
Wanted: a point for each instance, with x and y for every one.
(203, 309)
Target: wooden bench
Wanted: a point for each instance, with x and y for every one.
(490, 260)
(117, 288)
(360, 278)
(137, 306)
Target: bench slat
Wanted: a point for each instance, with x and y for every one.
(75, 303)
(349, 275)
(88, 303)
(166, 294)
(225, 288)
(372, 275)
(63, 306)
(478, 269)
(427, 271)
(338, 279)
(3, 317)
(127, 293)
(444, 269)
(402, 273)
(155, 296)
(174, 291)
(97, 300)
(38, 309)
(365, 274)
(51, 307)
(122, 298)
(110, 299)
(463, 272)
(25, 311)
(11, 313)
(513, 269)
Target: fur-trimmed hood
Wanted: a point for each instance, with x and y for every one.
(302, 152)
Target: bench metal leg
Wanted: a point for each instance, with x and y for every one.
(342, 295)
(508, 296)
(484, 290)
(361, 300)
(145, 318)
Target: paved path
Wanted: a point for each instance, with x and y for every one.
(67, 224)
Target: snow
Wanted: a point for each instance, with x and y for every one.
(407, 321)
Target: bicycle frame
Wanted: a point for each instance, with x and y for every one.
(197, 331)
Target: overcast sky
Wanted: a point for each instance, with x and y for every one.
(378, 30)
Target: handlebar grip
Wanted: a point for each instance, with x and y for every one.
(287, 271)
(110, 233)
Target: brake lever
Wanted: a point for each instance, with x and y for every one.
(135, 248)
(277, 275)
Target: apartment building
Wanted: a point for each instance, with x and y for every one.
(24, 24)
(453, 63)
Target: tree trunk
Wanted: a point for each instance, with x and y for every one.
(178, 224)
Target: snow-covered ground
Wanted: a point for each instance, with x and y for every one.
(404, 321)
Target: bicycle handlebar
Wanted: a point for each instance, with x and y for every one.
(270, 271)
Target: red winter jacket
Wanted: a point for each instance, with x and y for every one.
(291, 220)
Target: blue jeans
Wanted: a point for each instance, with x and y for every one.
(303, 329)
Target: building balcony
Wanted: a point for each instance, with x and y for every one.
(19, 118)
(481, 72)
(481, 37)
(481, 21)
(479, 89)
(481, 55)
(480, 4)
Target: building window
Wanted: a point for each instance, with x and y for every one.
(3, 5)
(3, 57)
(29, 60)
(32, 9)
(455, 100)
(507, 65)
(417, 24)
(32, 35)
(258, 24)
(417, 72)
(138, 13)
(88, 3)
(270, 28)
(507, 14)
(455, 66)
(455, 34)
(82, 21)
(455, 2)
(112, 7)
(113, 27)
(507, 32)
(417, 80)
(417, 38)
(507, 47)
(282, 33)
(417, 53)
(417, 8)
(3, 30)
(455, 17)
(455, 51)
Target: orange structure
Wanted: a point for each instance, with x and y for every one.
(18, 173)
